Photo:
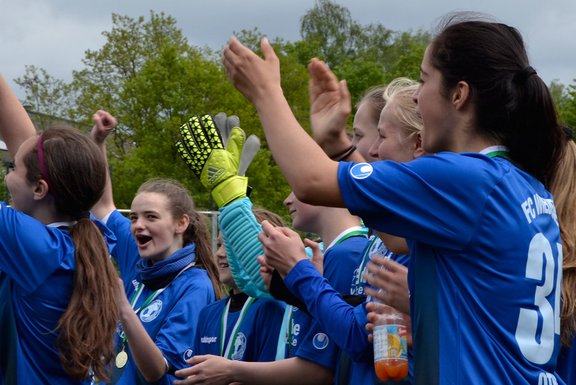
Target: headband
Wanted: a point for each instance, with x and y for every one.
(41, 162)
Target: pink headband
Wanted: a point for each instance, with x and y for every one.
(41, 163)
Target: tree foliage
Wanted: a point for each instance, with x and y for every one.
(150, 77)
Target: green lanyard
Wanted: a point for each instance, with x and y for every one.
(227, 353)
(494, 151)
(355, 231)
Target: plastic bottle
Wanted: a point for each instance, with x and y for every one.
(390, 345)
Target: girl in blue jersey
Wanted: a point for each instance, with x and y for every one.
(310, 357)
(239, 327)
(398, 139)
(55, 259)
(564, 189)
(485, 268)
(168, 275)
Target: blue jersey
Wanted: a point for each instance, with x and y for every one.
(485, 270)
(567, 363)
(170, 318)
(8, 337)
(39, 263)
(247, 334)
(342, 324)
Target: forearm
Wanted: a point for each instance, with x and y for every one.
(334, 314)
(15, 124)
(105, 204)
(148, 358)
(284, 372)
(295, 151)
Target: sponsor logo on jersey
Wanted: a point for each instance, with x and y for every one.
(208, 340)
(320, 341)
(151, 311)
(361, 171)
(187, 354)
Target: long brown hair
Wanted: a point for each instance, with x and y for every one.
(563, 187)
(181, 203)
(512, 103)
(75, 171)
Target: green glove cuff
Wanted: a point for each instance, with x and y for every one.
(230, 190)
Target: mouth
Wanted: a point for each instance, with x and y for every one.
(142, 240)
(223, 265)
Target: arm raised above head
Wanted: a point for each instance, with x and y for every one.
(15, 124)
(104, 123)
(309, 171)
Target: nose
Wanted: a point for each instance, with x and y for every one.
(289, 199)
(373, 150)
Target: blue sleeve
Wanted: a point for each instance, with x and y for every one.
(240, 231)
(30, 251)
(317, 347)
(424, 199)
(126, 251)
(336, 317)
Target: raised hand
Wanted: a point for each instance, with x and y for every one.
(104, 123)
(330, 106)
(202, 149)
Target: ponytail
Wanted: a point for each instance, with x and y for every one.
(87, 327)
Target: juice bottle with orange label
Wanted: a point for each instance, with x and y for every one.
(390, 346)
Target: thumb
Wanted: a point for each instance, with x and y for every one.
(317, 255)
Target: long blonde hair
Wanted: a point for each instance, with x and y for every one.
(563, 187)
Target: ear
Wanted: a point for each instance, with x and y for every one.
(418, 149)
(461, 95)
(182, 224)
(41, 190)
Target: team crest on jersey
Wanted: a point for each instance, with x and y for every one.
(187, 354)
(320, 341)
(150, 312)
(361, 171)
(239, 347)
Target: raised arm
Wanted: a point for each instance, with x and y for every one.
(330, 106)
(15, 124)
(293, 149)
(104, 123)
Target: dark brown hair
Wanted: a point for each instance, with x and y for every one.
(76, 172)
(181, 203)
(512, 103)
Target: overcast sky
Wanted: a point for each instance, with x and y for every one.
(53, 34)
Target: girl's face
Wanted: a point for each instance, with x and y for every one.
(393, 142)
(20, 189)
(365, 130)
(157, 233)
(438, 114)
(303, 215)
(222, 262)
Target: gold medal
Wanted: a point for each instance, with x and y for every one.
(121, 359)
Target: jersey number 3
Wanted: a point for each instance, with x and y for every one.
(540, 266)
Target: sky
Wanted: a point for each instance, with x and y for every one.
(54, 34)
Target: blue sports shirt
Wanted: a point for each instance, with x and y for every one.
(485, 270)
(169, 319)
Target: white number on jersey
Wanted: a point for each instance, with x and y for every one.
(540, 266)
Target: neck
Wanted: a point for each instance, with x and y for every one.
(334, 221)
